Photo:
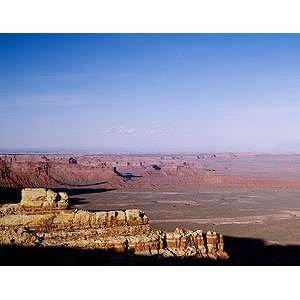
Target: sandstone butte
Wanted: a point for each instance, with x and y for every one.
(43, 218)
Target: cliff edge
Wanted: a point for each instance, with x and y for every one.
(43, 218)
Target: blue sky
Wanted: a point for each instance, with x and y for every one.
(150, 93)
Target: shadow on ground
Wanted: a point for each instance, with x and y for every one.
(10, 195)
(11, 255)
(13, 195)
(250, 251)
(82, 191)
(77, 201)
(243, 251)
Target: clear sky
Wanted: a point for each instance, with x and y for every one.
(150, 93)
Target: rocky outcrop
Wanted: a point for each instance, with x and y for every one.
(43, 199)
(43, 218)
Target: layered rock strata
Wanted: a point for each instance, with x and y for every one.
(43, 218)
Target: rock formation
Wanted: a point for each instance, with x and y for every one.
(43, 199)
(43, 218)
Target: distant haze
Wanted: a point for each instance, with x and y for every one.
(150, 93)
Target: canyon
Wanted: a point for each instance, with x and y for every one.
(249, 198)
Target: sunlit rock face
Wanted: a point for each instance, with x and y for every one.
(43, 199)
(43, 218)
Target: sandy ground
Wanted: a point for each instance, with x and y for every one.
(271, 215)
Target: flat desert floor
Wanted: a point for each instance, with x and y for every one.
(271, 215)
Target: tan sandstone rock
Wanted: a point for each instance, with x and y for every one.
(33, 197)
(43, 198)
(44, 219)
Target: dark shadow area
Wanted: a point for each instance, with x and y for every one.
(13, 195)
(10, 195)
(53, 256)
(242, 251)
(80, 191)
(156, 167)
(127, 175)
(80, 200)
(76, 185)
(77, 201)
(255, 252)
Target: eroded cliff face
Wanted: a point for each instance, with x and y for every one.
(149, 172)
(43, 218)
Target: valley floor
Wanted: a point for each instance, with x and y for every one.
(271, 215)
